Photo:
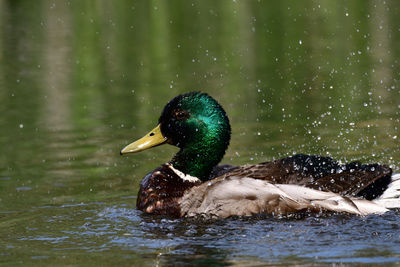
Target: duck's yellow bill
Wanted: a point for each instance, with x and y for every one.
(153, 138)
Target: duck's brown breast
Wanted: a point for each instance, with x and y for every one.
(161, 190)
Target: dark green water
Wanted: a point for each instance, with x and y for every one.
(81, 79)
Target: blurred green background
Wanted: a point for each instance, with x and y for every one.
(81, 79)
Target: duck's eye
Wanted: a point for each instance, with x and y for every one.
(180, 114)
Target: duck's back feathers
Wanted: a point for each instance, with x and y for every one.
(220, 170)
(322, 173)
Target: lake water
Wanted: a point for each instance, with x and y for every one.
(81, 79)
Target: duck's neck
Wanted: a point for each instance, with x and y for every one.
(199, 159)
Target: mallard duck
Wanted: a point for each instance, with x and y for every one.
(192, 183)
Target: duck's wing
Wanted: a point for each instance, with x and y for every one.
(322, 173)
(244, 196)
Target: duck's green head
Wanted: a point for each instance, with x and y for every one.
(198, 125)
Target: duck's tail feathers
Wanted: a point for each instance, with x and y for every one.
(391, 196)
